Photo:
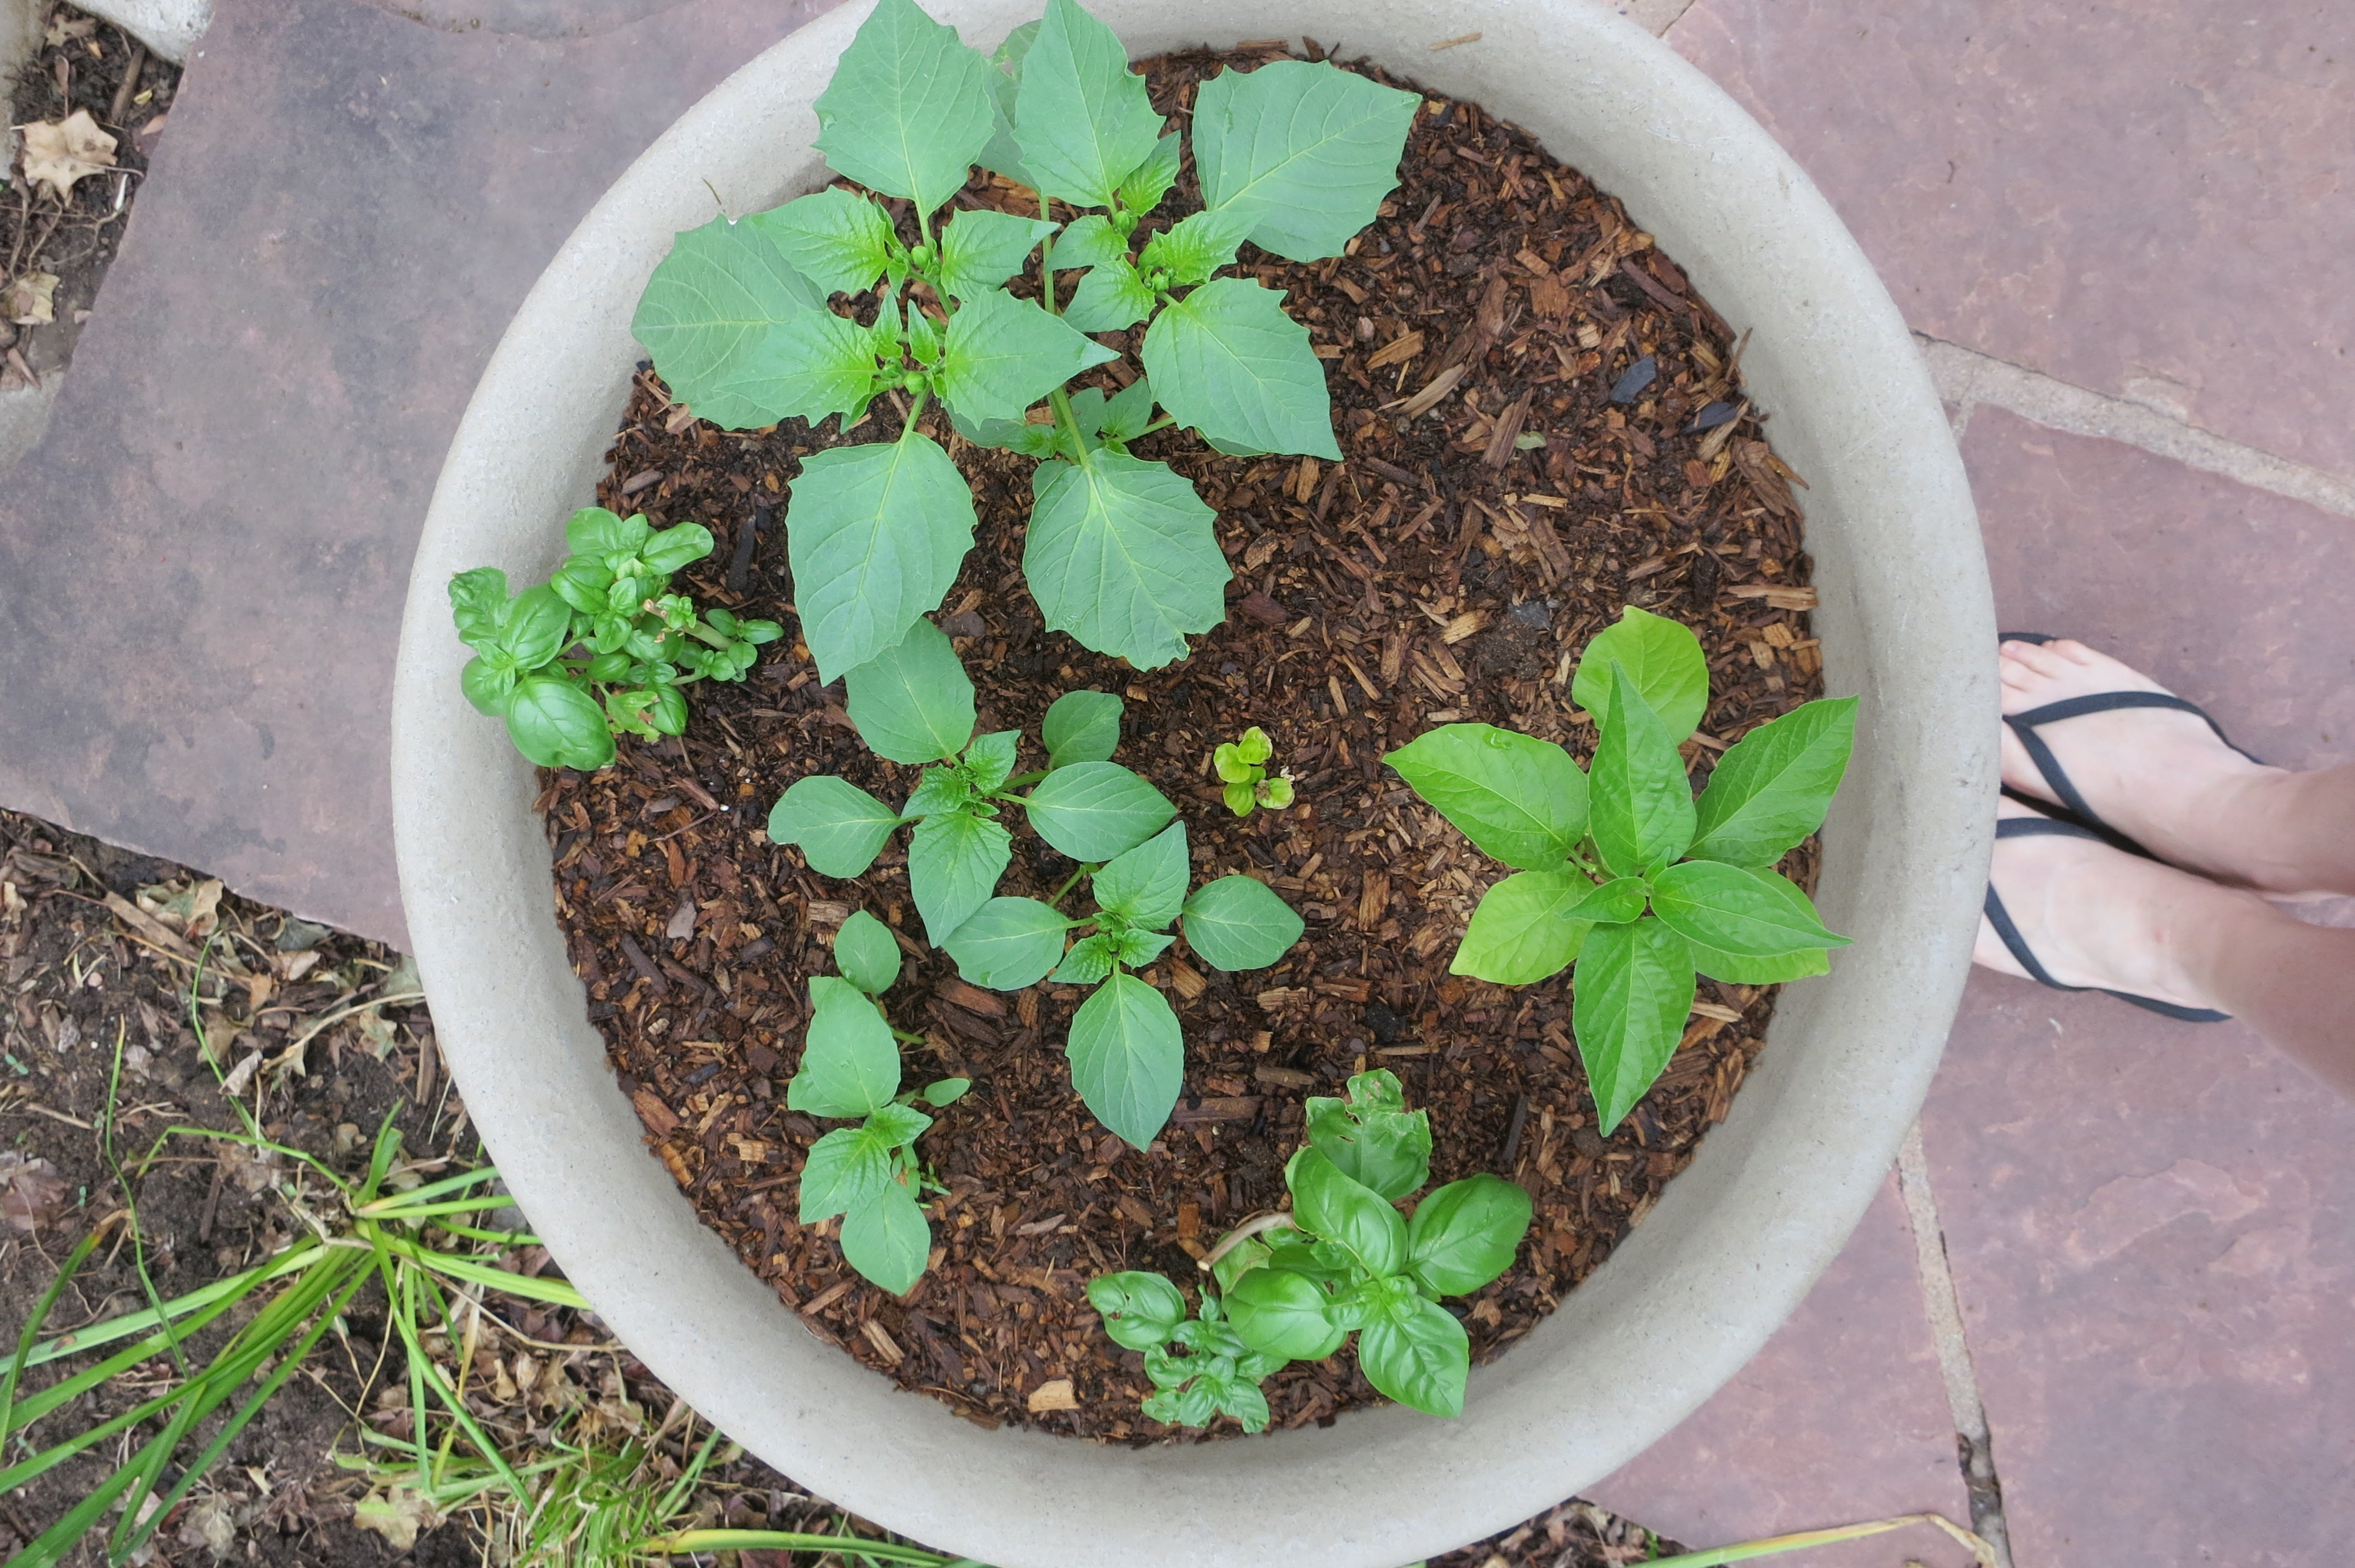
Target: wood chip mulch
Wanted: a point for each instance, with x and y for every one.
(1449, 568)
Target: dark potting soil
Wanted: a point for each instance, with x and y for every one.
(1496, 505)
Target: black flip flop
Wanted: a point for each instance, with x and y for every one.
(2056, 779)
(2000, 919)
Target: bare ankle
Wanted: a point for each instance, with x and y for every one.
(2294, 832)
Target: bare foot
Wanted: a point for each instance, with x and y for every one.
(2158, 774)
(2096, 915)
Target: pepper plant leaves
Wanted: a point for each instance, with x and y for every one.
(1465, 1235)
(1309, 149)
(1734, 909)
(850, 1065)
(1081, 117)
(810, 367)
(1520, 799)
(1002, 156)
(1641, 803)
(982, 249)
(722, 289)
(1524, 930)
(1009, 943)
(838, 241)
(1128, 1057)
(1226, 361)
(954, 864)
(1772, 787)
(875, 538)
(847, 1168)
(1001, 355)
(866, 953)
(1110, 297)
(912, 702)
(838, 827)
(909, 108)
(1240, 923)
(1146, 885)
(1195, 246)
(1634, 990)
(887, 1239)
(1419, 1356)
(1090, 960)
(1094, 810)
(1081, 726)
(1143, 190)
(1123, 555)
(1090, 240)
(1735, 969)
(1662, 657)
(990, 758)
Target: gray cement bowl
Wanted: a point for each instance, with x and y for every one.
(1906, 624)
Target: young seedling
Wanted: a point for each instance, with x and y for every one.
(914, 705)
(1121, 553)
(602, 648)
(1342, 1260)
(850, 1067)
(1127, 1052)
(1240, 765)
(1619, 871)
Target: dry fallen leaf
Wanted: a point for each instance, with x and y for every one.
(32, 1193)
(31, 300)
(195, 910)
(58, 153)
(397, 1514)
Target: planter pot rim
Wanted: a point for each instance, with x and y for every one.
(1906, 624)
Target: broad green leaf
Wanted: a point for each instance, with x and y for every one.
(1128, 1059)
(1081, 726)
(1737, 971)
(1002, 355)
(487, 687)
(668, 549)
(849, 1167)
(1080, 116)
(1282, 1314)
(954, 864)
(722, 290)
(1517, 798)
(1629, 1001)
(1734, 909)
(836, 239)
(875, 537)
(556, 725)
(1010, 435)
(924, 337)
(1146, 885)
(982, 249)
(1661, 656)
(1310, 148)
(1613, 903)
(1090, 960)
(1226, 361)
(809, 367)
(536, 627)
(1090, 240)
(1143, 190)
(990, 758)
(478, 604)
(1641, 803)
(850, 1065)
(1772, 787)
(593, 531)
(946, 1091)
(1009, 943)
(896, 1124)
(1523, 930)
(944, 789)
(909, 108)
(1002, 156)
(1094, 810)
(1240, 923)
(1138, 948)
(887, 1240)
(1140, 1310)
(1192, 248)
(1418, 1357)
(839, 827)
(1465, 1235)
(912, 702)
(1336, 1208)
(1123, 555)
(866, 954)
(1372, 1136)
(1110, 297)
(1126, 413)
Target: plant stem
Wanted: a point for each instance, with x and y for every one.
(906, 1039)
(1273, 1220)
(1162, 423)
(915, 411)
(1047, 261)
(1061, 402)
(1057, 896)
(1017, 782)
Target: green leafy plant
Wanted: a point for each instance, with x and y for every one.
(1240, 765)
(914, 705)
(1126, 1051)
(867, 1174)
(602, 647)
(1619, 870)
(1294, 1287)
(1121, 553)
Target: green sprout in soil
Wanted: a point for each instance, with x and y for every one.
(1619, 871)
(1294, 157)
(1241, 767)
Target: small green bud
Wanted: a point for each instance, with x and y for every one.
(1276, 794)
(1254, 747)
(1239, 798)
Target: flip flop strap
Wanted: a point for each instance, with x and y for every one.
(2025, 726)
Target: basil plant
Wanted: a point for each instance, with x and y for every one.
(850, 1067)
(1619, 871)
(1343, 1261)
(1120, 553)
(602, 648)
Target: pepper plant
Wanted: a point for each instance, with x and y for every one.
(850, 1067)
(1241, 767)
(1121, 553)
(1620, 870)
(1294, 1287)
(1126, 1051)
(602, 647)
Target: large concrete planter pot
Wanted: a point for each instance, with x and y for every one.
(1738, 1238)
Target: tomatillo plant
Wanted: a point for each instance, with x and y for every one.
(1620, 870)
(602, 647)
(1240, 765)
(1127, 1054)
(1294, 1287)
(850, 1067)
(1121, 553)
(915, 704)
